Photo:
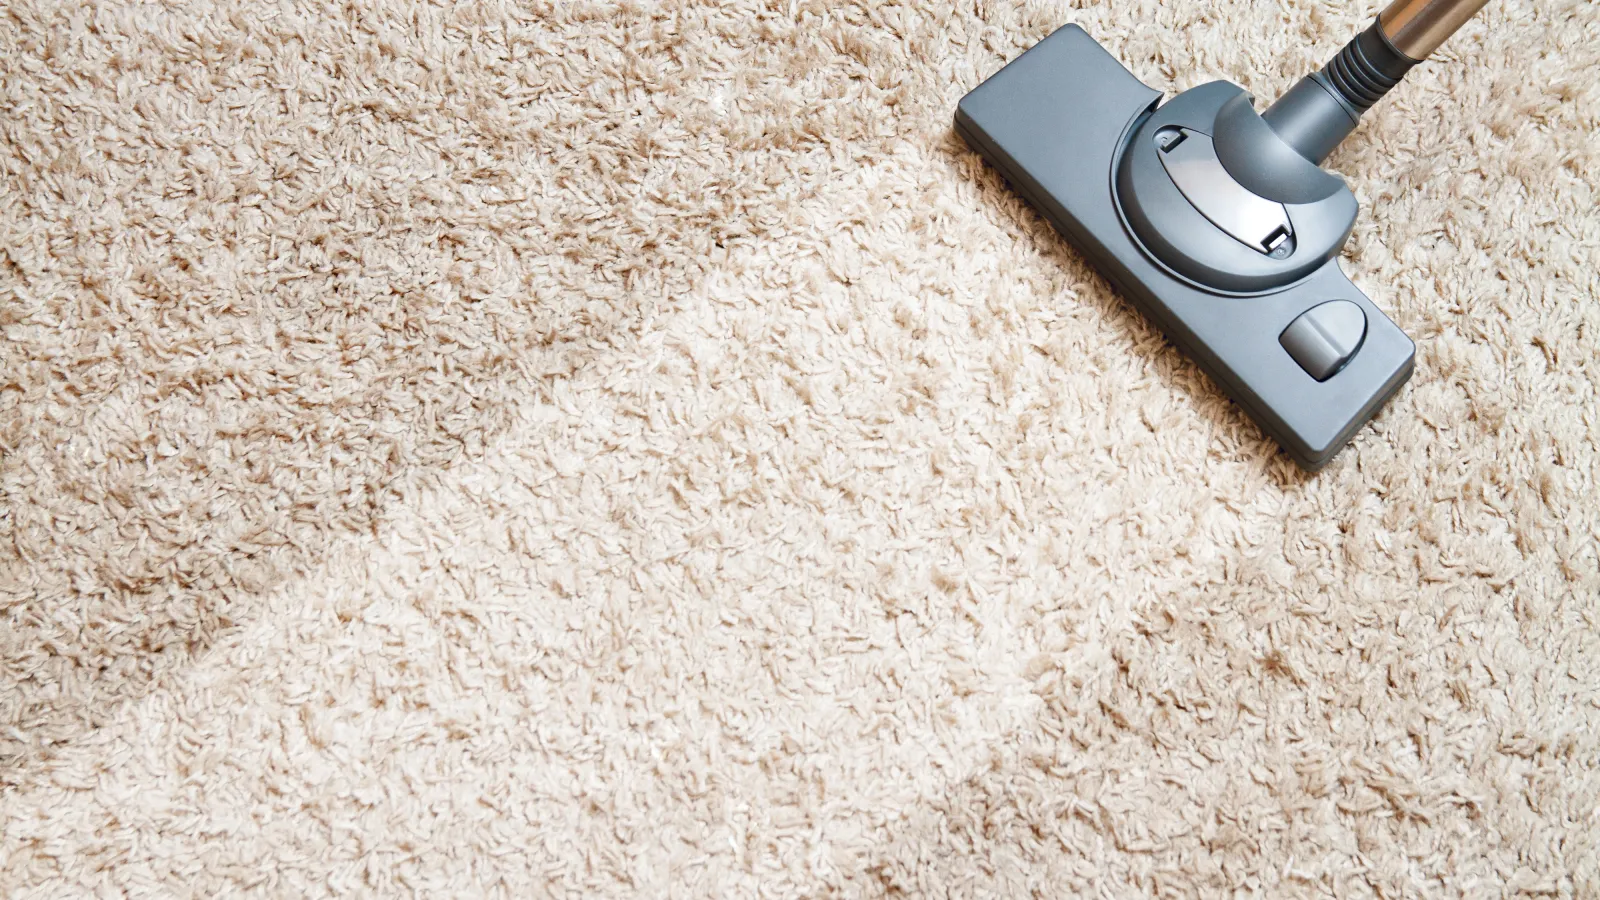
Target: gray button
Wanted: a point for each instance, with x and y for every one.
(1324, 338)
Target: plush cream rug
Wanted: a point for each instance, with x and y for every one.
(634, 450)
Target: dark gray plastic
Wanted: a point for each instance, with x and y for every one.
(1182, 236)
(1259, 159)
(1251, 219)
(1322, 108)
(1054, 122)
(1325, 337)
(1310, 118)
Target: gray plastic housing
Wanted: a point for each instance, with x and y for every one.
(1177, 233)
(1310, 118)
(1055, 122)
(1324, 107)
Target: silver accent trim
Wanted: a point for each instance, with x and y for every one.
(1191, 162)
(1417, 27)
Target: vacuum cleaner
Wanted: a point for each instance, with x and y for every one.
(1217, 221)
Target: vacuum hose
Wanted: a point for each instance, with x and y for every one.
(1322, 108)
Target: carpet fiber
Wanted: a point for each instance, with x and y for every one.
(631, 449)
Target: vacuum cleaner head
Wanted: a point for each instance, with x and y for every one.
(1216, 221)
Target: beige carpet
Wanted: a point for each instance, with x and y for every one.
(633, 450)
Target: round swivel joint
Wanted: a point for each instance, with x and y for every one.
(1218, 198)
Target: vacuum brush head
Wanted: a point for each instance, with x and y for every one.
(1217, 221)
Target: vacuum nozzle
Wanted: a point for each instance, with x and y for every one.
(1317, 113)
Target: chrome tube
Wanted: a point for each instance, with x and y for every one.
(1417, 27)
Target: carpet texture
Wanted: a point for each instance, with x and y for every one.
(628, 449)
